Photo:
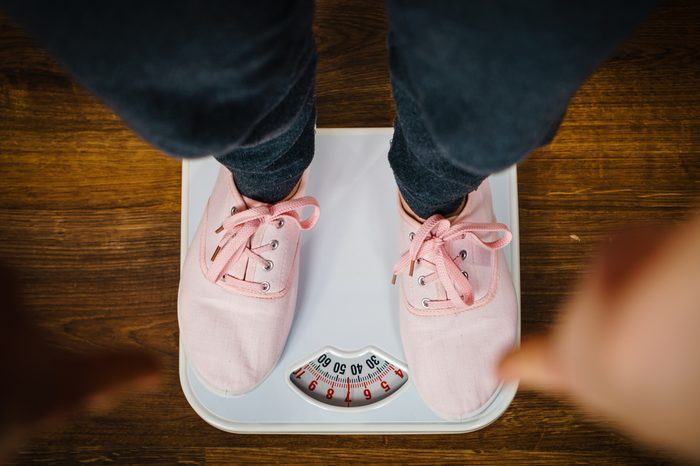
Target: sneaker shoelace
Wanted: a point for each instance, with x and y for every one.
(239, 228)
(429, 247)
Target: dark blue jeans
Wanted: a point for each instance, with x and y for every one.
(478, 84)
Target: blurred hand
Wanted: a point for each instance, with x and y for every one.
(627, 345)
(42, 384)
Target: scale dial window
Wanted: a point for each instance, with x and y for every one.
(339, 379)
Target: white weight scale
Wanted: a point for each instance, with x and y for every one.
(343, 369)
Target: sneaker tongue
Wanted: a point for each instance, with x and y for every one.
(297, 192)
(252, 203)
(408, 214)
(239, 269)
(477, 209)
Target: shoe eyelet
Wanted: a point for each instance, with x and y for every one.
(265, 286)
(463, 254)
(421, 280)
(426, 302)
(466, 275)
(274, 244)
(411, 235)
(280, 223)
(269, 265)
(233, 210)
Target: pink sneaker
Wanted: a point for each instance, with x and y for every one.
(459, 312)
(239, 285)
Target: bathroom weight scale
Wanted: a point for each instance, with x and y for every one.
(343, 368)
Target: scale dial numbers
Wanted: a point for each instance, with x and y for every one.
(349, 380)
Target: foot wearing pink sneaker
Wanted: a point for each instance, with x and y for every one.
(238, 286)
(458, 305)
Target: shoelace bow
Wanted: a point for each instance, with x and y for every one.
(239, 228)
(429, 246)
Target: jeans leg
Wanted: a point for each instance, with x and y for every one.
(233, 79)
(479, 84)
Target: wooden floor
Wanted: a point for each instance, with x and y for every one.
(90, 221)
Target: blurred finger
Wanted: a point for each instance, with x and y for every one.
(96, 376)
(91, 380)
(628, 255)
(534, 364)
